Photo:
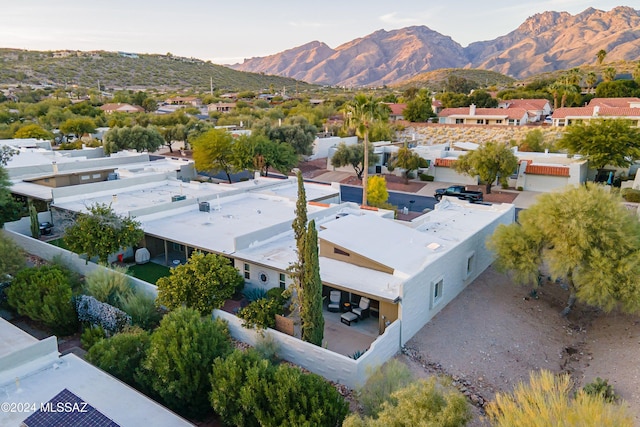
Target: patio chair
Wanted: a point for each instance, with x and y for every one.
(362, 310)
(334, 301)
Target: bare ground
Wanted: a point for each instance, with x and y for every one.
(494, 333)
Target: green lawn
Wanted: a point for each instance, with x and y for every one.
(149, 272)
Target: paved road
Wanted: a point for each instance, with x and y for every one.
(414, 202)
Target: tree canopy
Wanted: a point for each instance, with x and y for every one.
(78, 126)
(407, 160)
(102, 232)
(213, 151)
(377, 191)
(203, 283)
(352, 155)
(585, 237)
(418, 109)
(489, 161)
(132, 138)
(603, 142)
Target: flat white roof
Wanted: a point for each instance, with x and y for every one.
(114, 399)
(229, 219)
(13, 339)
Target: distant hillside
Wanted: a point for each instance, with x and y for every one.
(114, 71)
(435, 80)
(544, 42)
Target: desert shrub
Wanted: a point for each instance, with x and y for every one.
(44, 294)
(254, 294)
(426, 177)
(11, 258)
(179, 359)
(602, 388)
(110, 286)
(249, 390)
(121, 354)
(520, 188)
(357, 354)
(441, 405)
(142, 309)
(268, 348)
(385, 380)
(110, 318)
(260, 314)
(91, 335)
(631, 195)
(546, 396)
(277, 294)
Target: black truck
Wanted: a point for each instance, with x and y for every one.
(459, 191)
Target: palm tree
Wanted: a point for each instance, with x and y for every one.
(361, 114)
(636, 73)
(591, 80)
(601, 55)
(609, 74)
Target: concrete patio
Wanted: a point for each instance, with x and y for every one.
(347, 340)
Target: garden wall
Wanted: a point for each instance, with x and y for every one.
(332, 366)
(68, 258)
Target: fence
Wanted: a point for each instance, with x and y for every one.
(332, 366)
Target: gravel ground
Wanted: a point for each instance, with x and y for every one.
(496, 333)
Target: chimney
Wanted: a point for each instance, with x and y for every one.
(472, 109)
(596, 110)
(55, 167)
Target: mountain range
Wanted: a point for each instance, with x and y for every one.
(544, 42)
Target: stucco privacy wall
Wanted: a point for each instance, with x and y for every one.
(332, 366)
(45, 350)
(454, 269)
(69, 259)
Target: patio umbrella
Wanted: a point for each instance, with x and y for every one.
(610, 180)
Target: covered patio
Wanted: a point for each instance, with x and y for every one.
(347, 340)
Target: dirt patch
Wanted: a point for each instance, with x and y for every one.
(494, 333)
(496, 196)
(394, 183)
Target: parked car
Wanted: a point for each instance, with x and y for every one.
(459, 191)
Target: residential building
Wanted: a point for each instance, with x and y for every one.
(35, 379)
(121, 108)
(600, 108)
(192, 101)
(484, 116)
(537, 109)
(221, 107)
(397, 111)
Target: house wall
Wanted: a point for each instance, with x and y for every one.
(255, 280)
(544, 183)
(321, 146)
(332, 366)
(443, 174)
(418, 305)
(328, 249)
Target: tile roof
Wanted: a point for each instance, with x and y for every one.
(445, 163)
(602, 111)
(510, 113)
(527, 104)
(612, 102)
(397, 109)
(547, 170)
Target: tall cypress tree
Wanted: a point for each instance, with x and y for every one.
(300, 222)
(311, 308)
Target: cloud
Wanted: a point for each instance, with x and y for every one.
(393, 19)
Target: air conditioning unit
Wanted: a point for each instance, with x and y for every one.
(204, 206)
(178, 198)
(112, 176)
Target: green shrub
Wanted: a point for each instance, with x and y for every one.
(520, 188)
(504, 185)
(426, 177)
(121, 355)
(277, 294)
(91, 336)
(11, 258)
(357, 354)
(601, 388)
(385, 380)
(268, 348)
(248, 391)
(110, 286)
(44, 294)
(142, 309)
(178, 361)
(631, 195)
(260, 314)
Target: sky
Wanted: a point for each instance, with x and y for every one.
(227, 32)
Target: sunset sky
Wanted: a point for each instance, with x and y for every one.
(226, 32)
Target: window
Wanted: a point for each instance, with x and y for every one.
(459, 121)
(470, 264)
(84, 177)
(499, 121)
(436, 291)
(282, 281)
(247, 271)
(177, 247)
(96, 176)
(340, 252)
(479, 121)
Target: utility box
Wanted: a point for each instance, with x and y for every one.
(204, 207)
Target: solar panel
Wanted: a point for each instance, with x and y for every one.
(66, 409)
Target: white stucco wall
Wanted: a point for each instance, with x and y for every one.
(544, 183)
(321, 146)
(417, 306)
(443, 174)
